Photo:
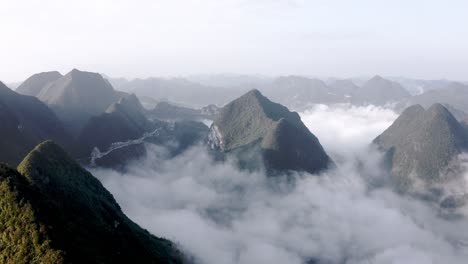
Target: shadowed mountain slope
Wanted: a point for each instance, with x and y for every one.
(34, 84)
(124, 128)
(26, 122)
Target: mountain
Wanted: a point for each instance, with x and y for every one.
(26, 122)
(252, 122)
(54, 211)
(379, 91)
(421, 147)
(300, 92)
(77, 96)
(454, 94)
(231, 80)
(123, 129)
(168, 111)
(34, 84)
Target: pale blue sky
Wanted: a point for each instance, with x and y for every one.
(421, 39)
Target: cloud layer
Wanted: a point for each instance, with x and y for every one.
(223, 215)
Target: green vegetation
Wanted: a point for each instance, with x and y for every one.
(54, 211)
(23, 239)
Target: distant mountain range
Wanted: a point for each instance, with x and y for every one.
(454, 95)
(180, 90)
(295, 92)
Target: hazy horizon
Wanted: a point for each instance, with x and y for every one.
(264, 37)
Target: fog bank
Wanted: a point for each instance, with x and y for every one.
(223, 215)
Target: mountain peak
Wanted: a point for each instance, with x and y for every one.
(254, 92)
(252, 96)
(438, 109)
(377, 78)
(44, 157)
(75, 71)
(49, 149)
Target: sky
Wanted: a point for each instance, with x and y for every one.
(425, 39)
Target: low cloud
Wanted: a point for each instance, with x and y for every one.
(223, 215)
